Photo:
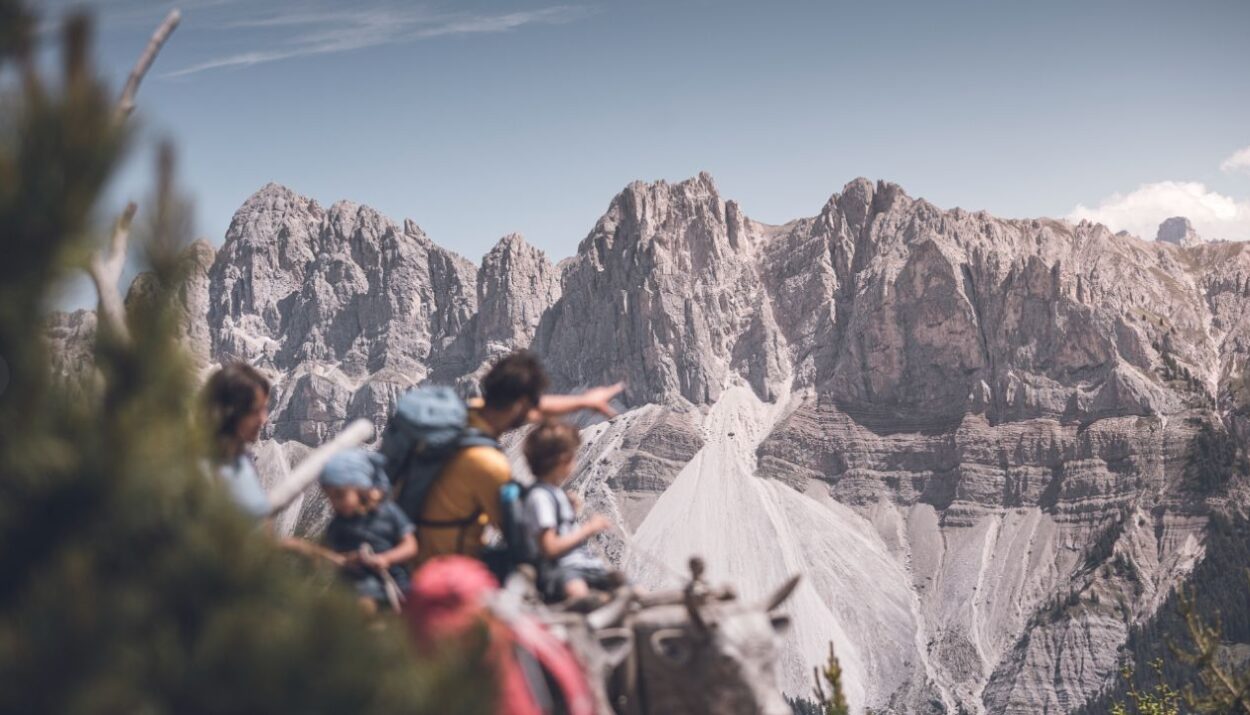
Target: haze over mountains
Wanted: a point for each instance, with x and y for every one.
(974, 436)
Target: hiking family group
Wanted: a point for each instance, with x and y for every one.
(440, 483)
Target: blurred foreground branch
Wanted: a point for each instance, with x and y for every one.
(106, 267)
(126, 104)
(131, 583)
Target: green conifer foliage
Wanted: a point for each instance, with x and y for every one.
(1162, 699)
(128, 582)
(831, 702)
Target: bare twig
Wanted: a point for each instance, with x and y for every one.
(126, 104)
(106, 270)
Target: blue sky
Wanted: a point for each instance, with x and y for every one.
(476, 119)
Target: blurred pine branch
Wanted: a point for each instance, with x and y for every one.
(128, 584)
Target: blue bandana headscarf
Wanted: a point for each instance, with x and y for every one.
(355, 469)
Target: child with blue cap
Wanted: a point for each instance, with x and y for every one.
(371, 538)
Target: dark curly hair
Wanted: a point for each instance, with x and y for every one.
(227, 397)
(516, 376)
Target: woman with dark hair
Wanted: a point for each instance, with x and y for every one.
(236, 406)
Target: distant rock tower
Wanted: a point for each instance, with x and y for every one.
(1180, 231)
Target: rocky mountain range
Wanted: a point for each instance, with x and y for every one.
(976, 437)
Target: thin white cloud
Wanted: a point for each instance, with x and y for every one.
(1238, 161)
(242, 59)
(124, 13)
(1214, 215)
(504, 22)
(329, 32)
(291, 20)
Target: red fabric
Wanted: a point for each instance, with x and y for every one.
(446, 596)
(446, 602)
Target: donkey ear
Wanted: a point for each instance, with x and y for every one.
(781, 594)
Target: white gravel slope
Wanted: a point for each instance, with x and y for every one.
(754, 533)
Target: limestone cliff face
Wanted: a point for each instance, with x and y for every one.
(345, 308)
(1034, 382)
(939, 313)
(1180, 231)
(975, 436)
(192, 299)
(664, 294)
(259, 272)
(515, 287)
(71, 340)
(517, 284)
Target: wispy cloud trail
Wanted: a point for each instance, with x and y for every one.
(332, 31)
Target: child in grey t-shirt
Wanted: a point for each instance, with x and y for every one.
(568, 569)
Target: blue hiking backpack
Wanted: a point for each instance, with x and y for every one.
(430, 425)
(517, 547)
(515, 535)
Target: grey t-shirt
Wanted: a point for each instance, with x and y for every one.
(548, 507)
(244, 486)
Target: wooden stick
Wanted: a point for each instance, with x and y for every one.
(310, 550)
(126, 104)
(307, 471)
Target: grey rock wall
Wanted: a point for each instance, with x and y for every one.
(1009, 405)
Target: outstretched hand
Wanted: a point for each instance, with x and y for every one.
(600, 399)
(598, 523)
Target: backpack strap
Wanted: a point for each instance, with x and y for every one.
(562, 518)
(461, 525)
(472, 437)
(449, 523)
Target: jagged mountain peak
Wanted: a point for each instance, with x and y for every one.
(275, 195)
(516, 284)
(201, 252)
(348, 207)
(1179, 231)
(348, 220)
(641, 198)
(413, 230)
(511, 258)
(860, 189)
(700, 184)
(276, 212)
(273, 188)
(273, 220)
(862, 198)
(687, 221)
(512, 243)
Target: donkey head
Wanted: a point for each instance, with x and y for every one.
(708, 655)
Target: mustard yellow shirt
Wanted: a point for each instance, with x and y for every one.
(468, 485)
